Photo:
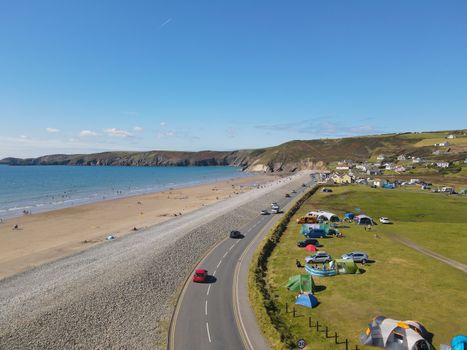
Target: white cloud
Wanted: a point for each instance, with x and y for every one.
(165, 134)
(85, 133)
(163, 123)
(23, 137)
(166, 22)
(52, 130)
(118, 132)
(138, 128)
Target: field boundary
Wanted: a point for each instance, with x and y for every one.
(267, 312)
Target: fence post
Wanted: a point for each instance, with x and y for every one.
(286, 308)
(356, 347)
(293, 310)
(327, 332)
(317, 326)
(335, 337)
(309, 321)
(346, 344)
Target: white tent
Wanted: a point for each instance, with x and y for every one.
(324, 215)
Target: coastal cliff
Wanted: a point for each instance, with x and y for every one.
(288, 157)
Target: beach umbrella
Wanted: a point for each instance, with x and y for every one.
(310, 248)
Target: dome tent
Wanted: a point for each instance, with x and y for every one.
(307, 300)
(363, 220)
(345, 266)
(301, 283)
(390, 334)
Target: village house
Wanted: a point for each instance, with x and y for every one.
(417, 160)
(442, 144)
(380, 157)
(400, 169)
(342, 167)
(342, 179)
(378, 182)
(389, 166)
(442, 164)
(401, 157)
(451, 136)
(373, 171)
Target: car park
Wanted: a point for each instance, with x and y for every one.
(385, 220)
(305, 242)
(320, 257)
(361, 257)
(200, 275)
(235, 234)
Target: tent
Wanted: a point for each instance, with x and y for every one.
(307, 300)
(301, 283)
(324, 215)
(310, 248)
(349, 216)
(459, 342)
(396, 335)
(363, 220)
(345, 266)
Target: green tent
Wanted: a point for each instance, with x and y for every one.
(345, 266)
(301, 283)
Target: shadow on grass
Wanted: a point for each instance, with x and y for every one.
(319, 288)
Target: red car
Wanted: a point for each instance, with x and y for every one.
(200, 275)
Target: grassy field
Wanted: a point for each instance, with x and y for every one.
(401, 283)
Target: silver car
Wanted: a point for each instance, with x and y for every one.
(360, 257)
(320, 257)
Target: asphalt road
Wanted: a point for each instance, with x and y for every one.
(204, 316)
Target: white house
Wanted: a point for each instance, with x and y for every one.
(379, 182)
(451, 136)
(373, 171)
(389, 166)
(362, 167)
(380, 157)
(401, 157)
(442, 144)
(437, 152)
(442, 164)
(417, 160)
(414, 181)
(399, 169)
(342, 167)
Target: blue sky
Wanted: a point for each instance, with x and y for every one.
(88, 76)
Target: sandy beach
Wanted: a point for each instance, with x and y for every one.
(45, 237)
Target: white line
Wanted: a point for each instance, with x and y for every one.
(209, 288)
(219, 264)
(207, 329)
(233, 245)
(214, 273)
(249, 230)
(227, 252)
(206, 308)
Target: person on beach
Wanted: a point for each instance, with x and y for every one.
(16, 227)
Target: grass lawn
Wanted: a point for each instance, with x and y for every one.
(401, 283)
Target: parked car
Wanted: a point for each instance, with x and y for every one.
(274, 204)
(275, 210)
(235, 234)
(385, 220)
(287, 195)
(200, 275)
(326, 190)
(264, 212)
(320, 257)
(293, 191)
(356, 257)
(304, 243)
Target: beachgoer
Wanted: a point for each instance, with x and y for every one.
(135, 229)
(16, 227)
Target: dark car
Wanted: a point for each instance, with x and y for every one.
(235, 234)
(305, 242)
(326, 190)
(287, 195)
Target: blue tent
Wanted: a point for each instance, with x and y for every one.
(349, 216)
(307, 300)
(459, 342)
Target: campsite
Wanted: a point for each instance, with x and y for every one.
(399, 283)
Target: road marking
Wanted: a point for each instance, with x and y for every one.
(233, 245)
(209, 288)
(206, 308)
(214, 273)
(207, 329)
(219, 264)
(225, 254)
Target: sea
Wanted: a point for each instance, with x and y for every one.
(30, 189)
